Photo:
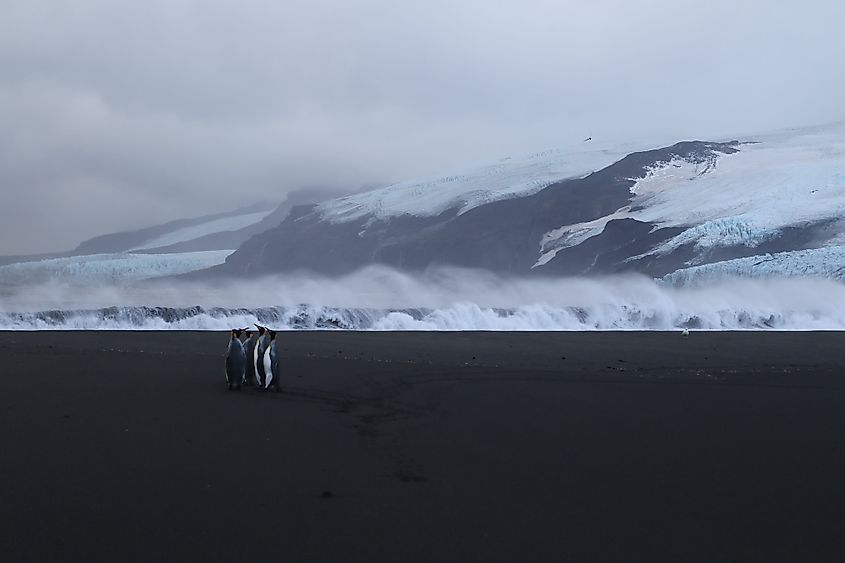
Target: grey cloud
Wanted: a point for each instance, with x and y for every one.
(117, 115)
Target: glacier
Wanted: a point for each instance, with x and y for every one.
(730, 231)
(827, 262)
(109, 268)
(774, 181)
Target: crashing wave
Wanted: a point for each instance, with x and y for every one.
(465, 316)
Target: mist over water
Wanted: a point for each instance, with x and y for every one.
(378, 298)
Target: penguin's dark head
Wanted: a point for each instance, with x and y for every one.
(272, 334)
(261, 330)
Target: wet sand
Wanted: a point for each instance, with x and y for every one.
(425, 447)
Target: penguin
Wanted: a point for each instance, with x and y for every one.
(258, 356)
(235, 361)
(249, 351)
(271, 363)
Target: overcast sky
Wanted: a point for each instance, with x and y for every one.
(118, 115)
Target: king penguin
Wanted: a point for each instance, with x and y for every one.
(249, 351)
(235, 361)
(258, 356)
(271, 363)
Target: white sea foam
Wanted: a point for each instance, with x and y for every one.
(382, 299)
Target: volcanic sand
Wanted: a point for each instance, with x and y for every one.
(608, 446)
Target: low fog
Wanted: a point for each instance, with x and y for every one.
(120, 115)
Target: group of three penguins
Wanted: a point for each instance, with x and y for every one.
(253, 362)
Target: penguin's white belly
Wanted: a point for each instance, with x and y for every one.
(268, 368)
(255, 359)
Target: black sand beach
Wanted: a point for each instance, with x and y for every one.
(425, 447)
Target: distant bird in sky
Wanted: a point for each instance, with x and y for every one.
(590, 138)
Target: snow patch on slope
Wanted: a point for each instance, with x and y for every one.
(573, 235)
(224, 224)
(472, 187)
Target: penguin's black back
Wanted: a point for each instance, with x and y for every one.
(249, 350)
(235, 362)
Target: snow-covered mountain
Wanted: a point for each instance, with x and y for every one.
(688, 213)
(679, 212)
